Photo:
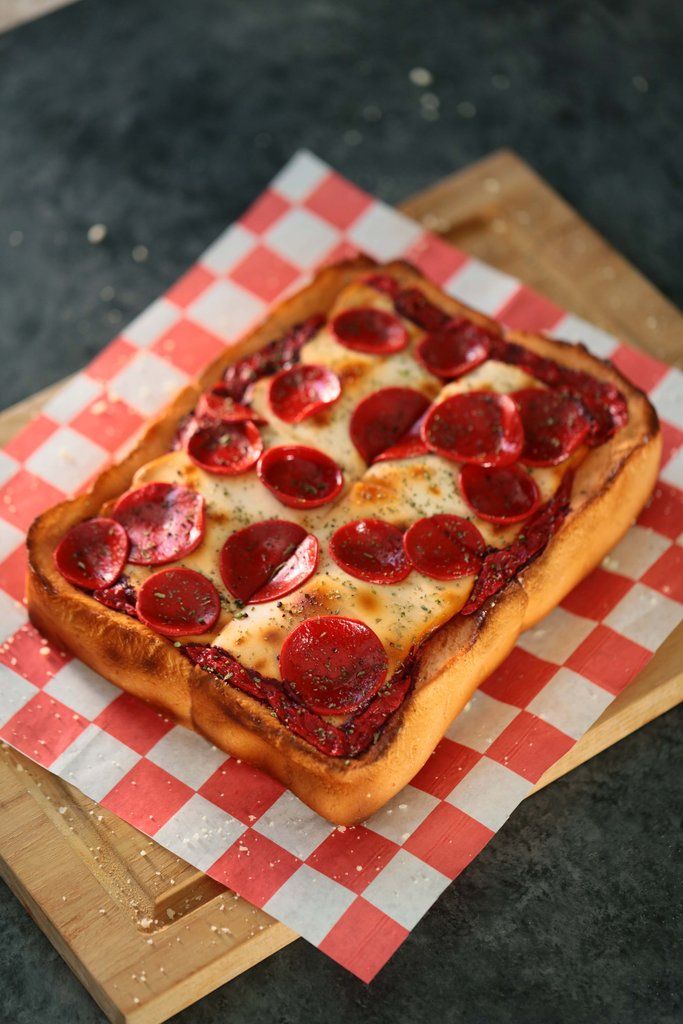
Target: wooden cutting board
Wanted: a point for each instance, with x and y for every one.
(145, 932)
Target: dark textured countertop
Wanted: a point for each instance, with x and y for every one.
(161, 120)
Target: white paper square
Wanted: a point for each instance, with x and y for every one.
(383, 233)
(294, 826)
(199, 832)
(10, 539)
(645, 616)
(187, 756)
(8, 467)
(481, 286)
(95, 762)
(152, 323)
(310, 903)
(301, 237)
(673, 471)
(12, 616)
(557, 636)
(226, 309)
(481, 722)
(15, 693)
(81, 689)
(405, 889)
(399, 818)
(667, 397)
(636, 552)
(147, 383)
(574, 328)
(570, 703)
(228, 250)
(72, 398)
(490, 792)
(300, 176)
(67, 459)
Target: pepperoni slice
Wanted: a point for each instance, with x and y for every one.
(93, 553)
(178, 602)
(554, 425)
(503, 495)
(163, 522)
(479, 426)
(414, 305)
(300, 477)
(454, 349)
(384, 418)
(370, 550)
(302, 391)
(225, 449)
(445, 547)
(221, 664)
(267, 560)
(218, 404)
(332, 664)
(365, 329)
(383, 283)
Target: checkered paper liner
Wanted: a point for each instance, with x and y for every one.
(353, 892)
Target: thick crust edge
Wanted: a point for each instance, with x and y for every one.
(610, 488)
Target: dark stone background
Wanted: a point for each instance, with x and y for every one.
(162, 119)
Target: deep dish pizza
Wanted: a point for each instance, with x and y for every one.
(320, 550)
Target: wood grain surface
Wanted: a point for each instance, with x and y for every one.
(145, 932)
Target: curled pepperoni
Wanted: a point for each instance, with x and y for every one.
(178, 602)
(384, 418)
(274, 356)
(163, 522)
(303, 390)
(365, 329)
(478, 426)
(332, 664)
(554, 425)
(503, 495)
(370, 550)
(445, 547)
(300, 477)
(267, 560)
(218, 404)
(221, 664)
(93, 553)
(225, 449)
(383, 283)
(120, 596)
(454, 349)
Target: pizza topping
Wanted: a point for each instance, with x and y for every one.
(409, 447)
(300, 477)
(218, 404)
(370, 550)
(276, 355)
(503, 495)
(605, 405)
(383, 283)
(177, 602)
(332, 664)
(445, 547)
(225, 449)
(479, 426)
(267, 560)
(120, 596)
(414, 305)
(554, 425)
(499, 567)
(221, 664)
(303, 390)
(93, 553)
(454, 349)
(384, 419)
(364, 329)
(163, 521)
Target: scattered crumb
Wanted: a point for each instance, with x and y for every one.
(97, 233)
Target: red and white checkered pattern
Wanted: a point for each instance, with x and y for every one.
(354, 892)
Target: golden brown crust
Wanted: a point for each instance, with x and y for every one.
(610, 488)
